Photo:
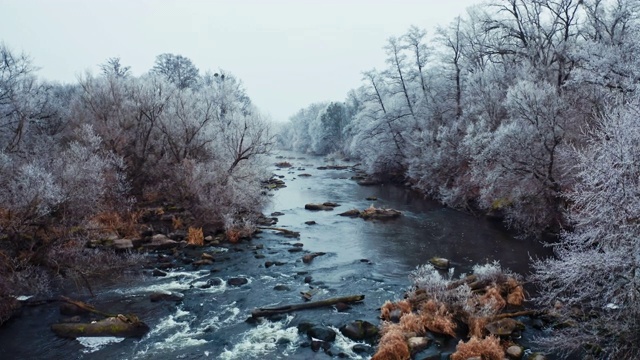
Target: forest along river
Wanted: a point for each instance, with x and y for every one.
(372, 258)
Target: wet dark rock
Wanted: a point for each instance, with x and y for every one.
(372, 198)
(269, 264)
(316, 345)
(178, 235)
(311, 222)
(277, 213)
(172, 297)
(323, 333)
(342, 307)
(308, 279)
(237, 281)
(281, 287)
(331, 204)
(295, 250)
(439, 263)
(157, 272)
(318, 207)
(304, 175)
(363, 349)
(259, 256)
(322, 168)
(298, 244)
(359, 330)
(365, 261)
(351, 213)
(309, 257)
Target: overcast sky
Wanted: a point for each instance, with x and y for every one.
(288, 53)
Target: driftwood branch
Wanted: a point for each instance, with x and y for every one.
(309, 305)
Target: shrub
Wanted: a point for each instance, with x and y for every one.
(488, 348)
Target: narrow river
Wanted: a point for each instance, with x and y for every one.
(372, 258)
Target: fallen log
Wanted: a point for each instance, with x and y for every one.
(259, 312)
(119, 326)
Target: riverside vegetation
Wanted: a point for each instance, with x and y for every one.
(523, 110)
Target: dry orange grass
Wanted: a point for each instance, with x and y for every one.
(177, 223)
(233, 235)
(488, 349)
(195, 237)
(492, 297)
(392, 345)
(437, 318)
(476, 326)
(515, 292)
(413, 323)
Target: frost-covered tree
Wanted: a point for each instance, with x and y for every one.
(177, 69)
(600, 316)
(327, 129)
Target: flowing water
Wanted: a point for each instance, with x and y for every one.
(362, 257)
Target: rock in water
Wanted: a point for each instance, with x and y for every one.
(237, 281)
(359, 330)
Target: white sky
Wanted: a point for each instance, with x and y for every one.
(288, 53)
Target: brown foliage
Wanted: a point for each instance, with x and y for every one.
(393, 345)
(437, 318)
(493, 298)
(195, 237)
(488, 348)
(476, 326)
(515, 292)
(413, 323)
(233, 235)
(177, 222)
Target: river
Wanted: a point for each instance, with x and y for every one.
(362, 257)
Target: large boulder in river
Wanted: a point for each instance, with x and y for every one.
(316, 207)
(359, 330)
(373, 213)
(351, 213)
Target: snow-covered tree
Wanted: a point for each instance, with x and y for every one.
(601, 315)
